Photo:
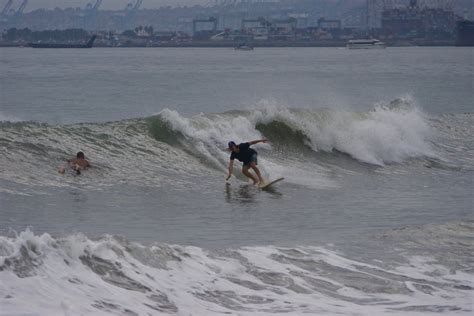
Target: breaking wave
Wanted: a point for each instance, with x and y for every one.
(111, 275)
(388, 134)
(304, 144)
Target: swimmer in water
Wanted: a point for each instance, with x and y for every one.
(77, 164)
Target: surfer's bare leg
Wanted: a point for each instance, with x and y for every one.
(245, 171)
(253, 165)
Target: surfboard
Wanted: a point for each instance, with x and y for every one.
(267, 185)
(66, 169)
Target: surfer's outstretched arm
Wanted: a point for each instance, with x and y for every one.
(230, 168)
(253, 142)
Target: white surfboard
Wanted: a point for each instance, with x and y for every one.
(267, 185)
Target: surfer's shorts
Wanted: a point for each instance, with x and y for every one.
(252, 159)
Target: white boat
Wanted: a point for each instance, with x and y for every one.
(365, 44)
(243, 47)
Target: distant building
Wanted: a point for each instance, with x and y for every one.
(258, 28)
(324, 24)
(302, 20)
(204, 29)
(286, 26)
(465, 33)
(283, 30)
(248, 24)
(416, 22)
(329, 29)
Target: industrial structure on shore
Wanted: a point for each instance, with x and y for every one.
(396, 22)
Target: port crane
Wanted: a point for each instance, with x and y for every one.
(7, 7)
(94, 7)
(7, 10)
(90, 16)
(11, 15)
(130, 11)
(21, 8)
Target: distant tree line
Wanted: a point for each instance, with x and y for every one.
(26, 34)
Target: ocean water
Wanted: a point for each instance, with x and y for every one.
(374, 217)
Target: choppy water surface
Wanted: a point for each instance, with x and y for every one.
(375, 215)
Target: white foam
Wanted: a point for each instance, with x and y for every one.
(8, 118)
(76, 275)
(384, 135)
(209, 134)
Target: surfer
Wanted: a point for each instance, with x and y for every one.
(77, 164)
(248, 156)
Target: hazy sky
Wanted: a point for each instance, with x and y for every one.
(106, 4)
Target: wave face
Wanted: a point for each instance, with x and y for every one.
(112, 276)
(388, 134)
(304, 144)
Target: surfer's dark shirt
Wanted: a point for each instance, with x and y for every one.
(245, 153)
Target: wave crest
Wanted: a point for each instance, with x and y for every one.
(388, 134)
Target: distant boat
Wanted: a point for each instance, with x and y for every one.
(89, 44)
(365, 44)
(243, 46)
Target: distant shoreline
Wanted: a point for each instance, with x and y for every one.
(231, 44)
